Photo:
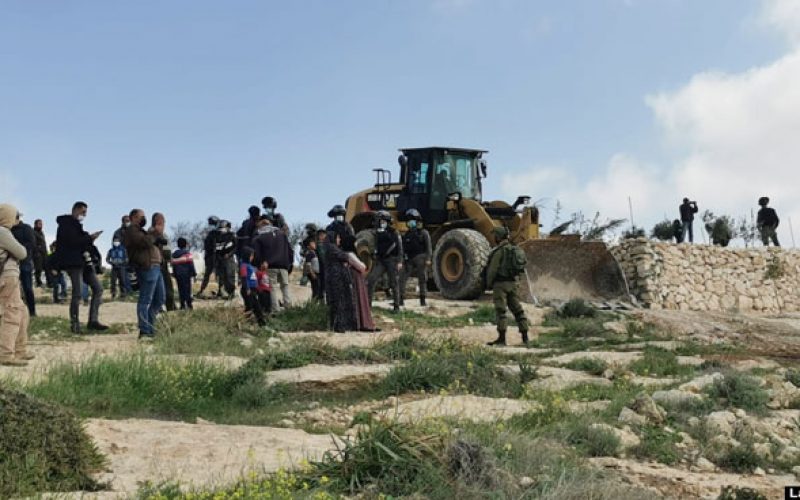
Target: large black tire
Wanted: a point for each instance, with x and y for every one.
(458, 263)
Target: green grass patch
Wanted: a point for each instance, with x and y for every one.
(659, 445)
(411, 320)
(452, 366)
(44, 448)
(592, 366)
(594, 441)
(53, 328)
(657, 362)
(739, 390)
(311, 316)
(211, 330)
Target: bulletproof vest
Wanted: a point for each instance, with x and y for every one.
(338, 227)
(770, 217)
(387, 244)
(414, 243)
(225, 243)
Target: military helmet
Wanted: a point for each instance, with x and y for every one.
(500, 232)
(213, 220)
(336, 210)
(383, 215)
(224, 224)
(413, 214)
(763, 201)
(269, 202)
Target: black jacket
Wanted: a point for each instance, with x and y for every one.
(71, 242)
(41, 244)
(245, 234)
(274, 248)
(210, 247)
(687, 211)
(766, 217)
(23, 233)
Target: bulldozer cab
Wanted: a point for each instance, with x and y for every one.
(431, 175)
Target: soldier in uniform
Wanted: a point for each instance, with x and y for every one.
(270, 205)
(209, 254)
(767, 222)
(388, 257)
(418, 255)
(506, 263)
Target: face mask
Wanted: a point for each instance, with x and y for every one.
(382, 226)
(224, 230)
(269, 211)
(116, 243)
(412, 224)
(81, 218)
(142, 223)
(339, 218)
(127, 224)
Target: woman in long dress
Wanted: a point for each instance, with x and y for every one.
(364, 321)
(339, 286)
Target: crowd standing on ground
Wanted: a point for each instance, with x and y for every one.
(259, 255)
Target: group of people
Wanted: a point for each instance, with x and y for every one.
(767, 222)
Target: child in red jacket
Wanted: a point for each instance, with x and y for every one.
(264, 288)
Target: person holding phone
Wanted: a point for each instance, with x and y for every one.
(74, 256)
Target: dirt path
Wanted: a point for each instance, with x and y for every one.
(199, 455)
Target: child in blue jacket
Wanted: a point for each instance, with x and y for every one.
(117, 257)
(183, 270)
(249, 278)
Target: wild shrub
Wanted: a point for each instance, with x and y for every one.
(201, 331)
(389, 457)
(663, 231)
(43, 448)
(740, 459)
(579, 328)
(793, 376)
(740, 391)
(737, 493)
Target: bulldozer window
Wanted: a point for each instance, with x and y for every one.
(419, 179)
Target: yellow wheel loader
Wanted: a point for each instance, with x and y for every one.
(445, 186)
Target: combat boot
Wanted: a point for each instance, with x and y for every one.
(422, 301)
(500, 340)
(524, 337)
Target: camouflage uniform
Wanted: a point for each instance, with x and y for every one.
(418, 254)
(505, 290)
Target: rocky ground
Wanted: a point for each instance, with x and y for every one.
(701, 350)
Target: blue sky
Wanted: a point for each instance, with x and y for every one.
(200, 107)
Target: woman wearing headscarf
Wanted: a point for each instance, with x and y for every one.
(13, 313)
(339, 286)
(363, 311)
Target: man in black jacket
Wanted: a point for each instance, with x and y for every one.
(23, 233)
(272, 246)
(73, 255)
(687, 210)
(40, 252)
(245, 234)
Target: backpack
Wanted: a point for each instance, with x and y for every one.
(512, 263)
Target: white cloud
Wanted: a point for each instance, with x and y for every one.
(737, 137)
(783, 15)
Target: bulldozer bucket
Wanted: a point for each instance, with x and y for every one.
(561, 269)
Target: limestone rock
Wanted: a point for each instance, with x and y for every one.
(630, 417)
(675, 397)
(699, 384)
(627, 438)
(704, 465)
(721, 422)
(646, 407)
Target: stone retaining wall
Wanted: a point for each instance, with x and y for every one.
(709, 278)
